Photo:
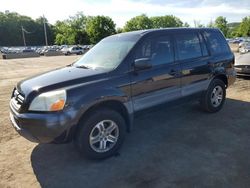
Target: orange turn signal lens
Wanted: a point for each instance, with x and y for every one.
(58, 105)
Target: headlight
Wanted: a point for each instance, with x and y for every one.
(50, 101)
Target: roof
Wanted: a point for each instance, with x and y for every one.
(142, 32)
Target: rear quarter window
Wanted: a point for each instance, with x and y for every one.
(218, 44)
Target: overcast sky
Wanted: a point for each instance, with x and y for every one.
(122, 10)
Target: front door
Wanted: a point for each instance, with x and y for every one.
(161, 82)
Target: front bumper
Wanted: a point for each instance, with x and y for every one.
(43, 127)
(244, 71)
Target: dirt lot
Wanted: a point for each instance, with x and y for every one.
(179, 146)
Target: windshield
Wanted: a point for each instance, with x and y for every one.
(108, 53)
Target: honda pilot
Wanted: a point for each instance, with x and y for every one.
(93, 101)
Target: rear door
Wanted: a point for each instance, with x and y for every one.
(194, 59)
(161, 82)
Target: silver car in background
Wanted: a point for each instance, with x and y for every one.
(242, 64)
(73, 50)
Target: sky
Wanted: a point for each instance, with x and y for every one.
(122, 10)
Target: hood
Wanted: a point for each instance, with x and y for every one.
(58, 78)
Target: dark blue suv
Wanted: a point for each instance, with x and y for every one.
(93, 101)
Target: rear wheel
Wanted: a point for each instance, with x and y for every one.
(101, 134)
(214, 97)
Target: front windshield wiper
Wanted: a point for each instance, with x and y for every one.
(83, 66)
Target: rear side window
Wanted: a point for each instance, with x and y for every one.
(158, 49)
(217, 42)
(188, 46)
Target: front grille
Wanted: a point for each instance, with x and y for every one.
(17, 99)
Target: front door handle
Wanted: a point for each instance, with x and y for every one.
(173, 72)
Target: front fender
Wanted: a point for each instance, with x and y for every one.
(94, 97)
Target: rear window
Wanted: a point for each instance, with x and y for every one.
(217, 42)
(188, 46)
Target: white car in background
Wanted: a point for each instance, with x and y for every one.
(244, 47)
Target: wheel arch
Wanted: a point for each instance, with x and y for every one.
(116, 105)
(222, 77)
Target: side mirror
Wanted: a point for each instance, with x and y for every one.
(142, 64)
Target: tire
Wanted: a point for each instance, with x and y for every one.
(213, 98)
(90, 129)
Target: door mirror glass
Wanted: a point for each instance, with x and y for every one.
(142, 64)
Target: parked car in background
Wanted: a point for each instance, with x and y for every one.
(4, 50)
(244, 47)
(42, 50)
(93, 101)
(242, 64)
(73, 50)
(27, 50)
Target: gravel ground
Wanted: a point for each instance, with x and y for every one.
(178, 146)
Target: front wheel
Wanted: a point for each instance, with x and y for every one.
(214, 97)
(101, 134)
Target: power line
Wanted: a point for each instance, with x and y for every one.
(24, 31)
(24, 41)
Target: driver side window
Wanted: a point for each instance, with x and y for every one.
(158, 49)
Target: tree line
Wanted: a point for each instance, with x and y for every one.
(81, 29)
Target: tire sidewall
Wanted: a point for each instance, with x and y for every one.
(88, 124)
(214, 83)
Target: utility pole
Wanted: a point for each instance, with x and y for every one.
(24, 42)
(45, 31)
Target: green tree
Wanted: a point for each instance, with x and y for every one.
(166, 21)
(221, 23)
(64, 33)
(233, 29)
(186, 24)
(99, 27)
(72, 30)
(11, 30)
(40, 36)
(138, 23)
(244, 28)
(78, 24)
(119, 30)
(198, 24)
(211, 24)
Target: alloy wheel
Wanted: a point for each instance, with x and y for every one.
(217, 96)
(104, 136)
